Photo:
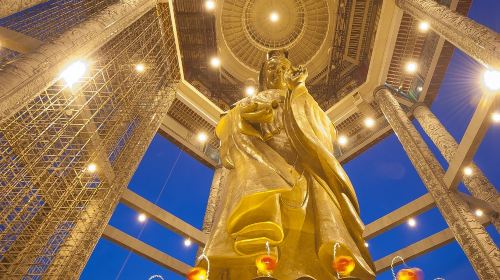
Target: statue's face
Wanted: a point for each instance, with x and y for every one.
(275, 70)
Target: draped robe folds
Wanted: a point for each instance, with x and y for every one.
(284, 187)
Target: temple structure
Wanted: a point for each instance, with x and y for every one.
(85, 85)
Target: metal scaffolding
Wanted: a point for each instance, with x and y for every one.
(53, 209)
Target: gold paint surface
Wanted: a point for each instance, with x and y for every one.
(284, 187)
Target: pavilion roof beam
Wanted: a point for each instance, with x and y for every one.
(473, 136)
(18, 42)
(419, 248)
(135, 245)
(162, 217)
(398, 216)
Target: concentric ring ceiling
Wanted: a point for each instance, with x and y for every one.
(246, 32)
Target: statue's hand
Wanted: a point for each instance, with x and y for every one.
(257, 112)
(296, 76)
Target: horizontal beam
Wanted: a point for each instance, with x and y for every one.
(473, 136)
(162, 217)
(18, 42)
(419, 248)
(416, 249)
(398, 216)
(198, 102)
(9, 7)
(135, 245)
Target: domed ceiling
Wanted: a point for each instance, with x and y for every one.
(247, 30)
(332, 38)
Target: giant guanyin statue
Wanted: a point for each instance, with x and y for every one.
(287, 196)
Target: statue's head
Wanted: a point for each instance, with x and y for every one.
(272, 73)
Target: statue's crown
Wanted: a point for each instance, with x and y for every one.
(277, 53)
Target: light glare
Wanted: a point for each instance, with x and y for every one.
(202, 137)
(495, 117)
(491, 79)
(479, 212)
(73, 72)
(468, 171)
(210, 5)
(419, 89)
(140, 67)
(366, 244)
(187, 242)
(369, 122)
(342, 140)
(423, 26)
(215, 62)
(92, 168)
(142, 217)
(250, 90)
(274, 17)
(412, 222)
(411, 67)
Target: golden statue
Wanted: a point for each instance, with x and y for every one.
(286, 195)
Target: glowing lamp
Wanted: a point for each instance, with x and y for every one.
(197, 273)
(73, 72)
(344, 265)
(410, 274)
(266, 264)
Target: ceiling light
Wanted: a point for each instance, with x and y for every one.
(215, 62)
(411, 67)
(202, 137)
(140, 67)
(250, 90)
(366, 244)
(73, 72)
(420, 88)
(274, 17)
(423, 26)
(142, 217)
(491, 79)
(468, 171)
(412, 222)
(369, 122)
(210, 5)
(92, 168)
(342, 140)
(495, 117)
(187, 242)
(479, 212)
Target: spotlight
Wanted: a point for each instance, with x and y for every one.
(411, 67)
(491, 79)
(250, 90)
(366, 244)
(342, 140)
(140, 68)
(274, 17)
(142, 217)
(210, 5)
(412, 222)
(187, 242)
(92, 167)
(73, 72)
(215, 62)
(495, 117)
(423, 26)
(369, 122)
(479, 212)
(419, 89)
(202, 137)
(468, 171)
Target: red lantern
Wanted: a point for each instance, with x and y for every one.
(266, 264)
(410, 274)
(343, 265)
(197, 273)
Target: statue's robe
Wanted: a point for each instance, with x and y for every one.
(284, 187)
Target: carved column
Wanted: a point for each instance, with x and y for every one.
(477, 184)
(216, 192)
(476, 40)
(469, 233)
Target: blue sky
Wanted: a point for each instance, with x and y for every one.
(383, 177)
